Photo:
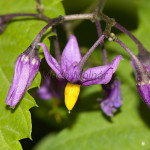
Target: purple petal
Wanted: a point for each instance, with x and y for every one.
(144, 91)
(102, 74)
(20, 79)
(43, 92)
(73, 73)
(51, 61)
(71, 54)
(14, 81)
(113, 99)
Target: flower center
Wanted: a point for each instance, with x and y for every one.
(71, 95)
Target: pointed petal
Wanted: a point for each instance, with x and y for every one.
(71, 53)
(102, 74)
(51, 61)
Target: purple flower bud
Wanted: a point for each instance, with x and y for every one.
(113, 99)
(143, 81)
(26, 68)
(144, 91)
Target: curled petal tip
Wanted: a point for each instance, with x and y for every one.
(101, 74)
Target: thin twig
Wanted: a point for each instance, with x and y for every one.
(137, 62)
(78, 16)
(7, 17)
(100, 6)
(39, 7)
(40, 34)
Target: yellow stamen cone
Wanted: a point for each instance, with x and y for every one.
(71, 95)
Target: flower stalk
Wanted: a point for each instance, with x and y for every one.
(7, 17)
(141, 48)
(86, 56)
(104, 54)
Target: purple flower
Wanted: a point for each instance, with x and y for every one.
(71, 69)
(71, 62)
(113, 99)
(51, 87)
(26, 68)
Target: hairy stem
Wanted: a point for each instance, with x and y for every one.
(39, 6)
(104, 54)
(139, 66)
(141, 48)
(50, 24)
(86, 56)
(8, 17)
(100, 6)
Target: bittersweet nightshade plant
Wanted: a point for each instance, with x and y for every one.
(26, 68)
(71, 67)
(69, 75)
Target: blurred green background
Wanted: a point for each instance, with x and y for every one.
(87, 128)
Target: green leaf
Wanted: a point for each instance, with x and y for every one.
(15, 124)
(130, 127)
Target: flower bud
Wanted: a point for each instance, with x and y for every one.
(143, 82)
(26, 68)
